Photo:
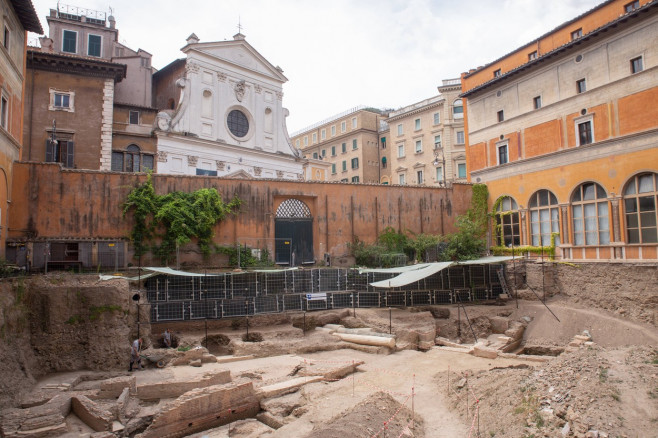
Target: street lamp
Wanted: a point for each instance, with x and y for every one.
(53, 135)
(443, 165)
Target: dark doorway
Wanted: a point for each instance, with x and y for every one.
(293, 229)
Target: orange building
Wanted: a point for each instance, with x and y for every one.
(564, 132)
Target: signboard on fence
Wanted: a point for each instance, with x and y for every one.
(316, 297)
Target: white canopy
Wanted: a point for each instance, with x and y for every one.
(168, 271)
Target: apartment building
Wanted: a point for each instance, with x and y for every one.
(564, 132)
(425, 144)
(348, 142)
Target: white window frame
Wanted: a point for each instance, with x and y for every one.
(400, 129)
(417, 125)
(401, 150)
(343, 126)
(401, 179)
(458, 115)
(419, 146)
(437, 118)
(641, 58)
(465, 171)
(71, 94)
(130, 113)
(354, 124)
(306, 140)
(76, 40)
(333, 130)
(457, 137)
(4, 110)
(323, 134)
(437, 144)
(420, 177)
(579, 121)
(501, 144)
(88, 38)
(315, 137)
(439, 174)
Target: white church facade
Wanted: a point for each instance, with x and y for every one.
(224, 114)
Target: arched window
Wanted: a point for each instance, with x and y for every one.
(507, 222)
(640, 200)
(589, 211)
(544, 218)
(457, 109)
(131, 160)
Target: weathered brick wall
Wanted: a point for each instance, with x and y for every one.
(53, 204)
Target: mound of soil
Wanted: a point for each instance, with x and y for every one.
(378, 415)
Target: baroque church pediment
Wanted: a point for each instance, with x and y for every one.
(239, 53)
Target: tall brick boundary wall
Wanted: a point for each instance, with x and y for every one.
(51, 203)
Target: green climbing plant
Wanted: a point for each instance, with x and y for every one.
(174, 219)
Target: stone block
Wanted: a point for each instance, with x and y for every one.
(204, 408)
(515, 330)
(195, 363)
(185, 357)
(112, 388)
(91, 414)
(208, 358)
(269, 420)
(287, 386)
(328, 372)
(227, 359)
(175, 388)
(499, 324)
(480, 350)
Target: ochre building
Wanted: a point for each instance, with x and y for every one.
(564, 132)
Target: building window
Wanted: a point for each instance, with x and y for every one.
(544, 218)
(6, 38)
(439, 174)
(344, 165)
(383, 162)
(417, 124)
(324, 153)
(419, 176)
(437, 118)
(60, 151)
(238, 123)
(637, 65)
(589, 210)
(133, 117)
(458, 109)
(305, 140)
(333, 130)
(69, 41)
(461, 170)
(315, 155)
(584, 132)
(355, 179)
(581, 86)
(400, 130)
(401, 150)
(630, 7)
(315, 137)
(437, 141)
(355, 163)
(640, 200)
(354, 145)
(333, 168)
(501, 116)
(536, 102)
(419, 146)
(343, 126)
(507, 222)
(132, 160)
(576, 34)
(496, 73)
(61, 101)
(343, 147)
(344, 180)
(323, 134)
(401, 179)
(503, 155)
(4, 112)
(460, 137)
(353, 122)
(94, 45)
(532, 56)
(383, 140)
(333, 151)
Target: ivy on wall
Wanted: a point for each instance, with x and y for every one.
(174, 219)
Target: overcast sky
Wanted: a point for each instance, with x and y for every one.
(339, 54)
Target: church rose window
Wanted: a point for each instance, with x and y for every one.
(238, 123)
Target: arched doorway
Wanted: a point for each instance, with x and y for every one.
(293, 229)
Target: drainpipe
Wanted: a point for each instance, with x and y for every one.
(29, 154)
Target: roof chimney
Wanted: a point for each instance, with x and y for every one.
(112, 21)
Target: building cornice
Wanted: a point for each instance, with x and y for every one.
(58, 62)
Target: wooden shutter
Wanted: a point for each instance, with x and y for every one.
(69, 154)
(50, 151)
